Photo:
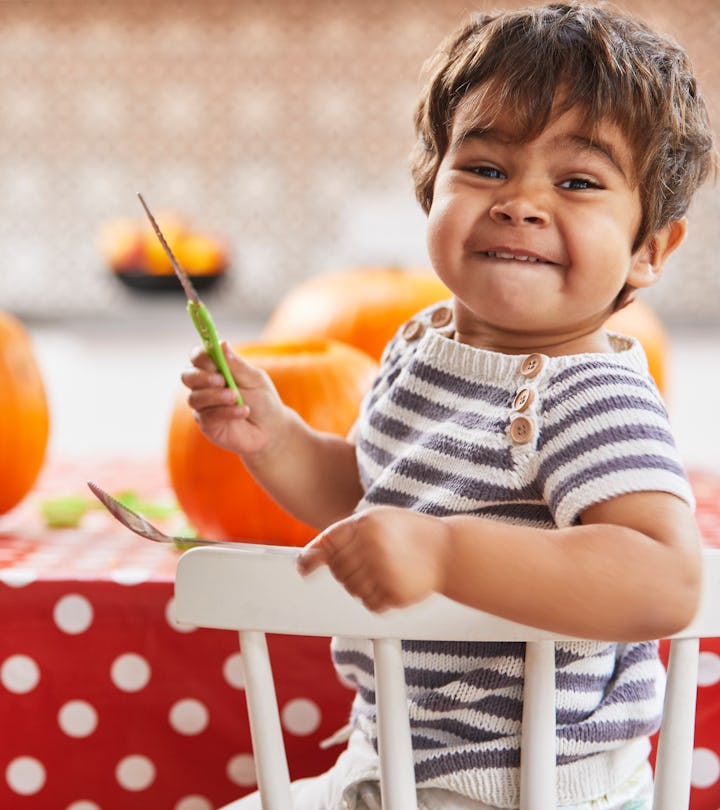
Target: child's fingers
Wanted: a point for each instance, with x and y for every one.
(218, 397)
(245, 375)
(202, 360)
(196, 378)
(312, 556)
(359, 585)
(327, 548)
(204, 373)
(334, 548)
(337, 547)
(310, 559)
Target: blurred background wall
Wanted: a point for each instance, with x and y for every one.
(283, 125)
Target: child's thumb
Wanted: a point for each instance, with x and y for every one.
(310, 558)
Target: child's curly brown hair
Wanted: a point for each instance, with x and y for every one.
(540, 62)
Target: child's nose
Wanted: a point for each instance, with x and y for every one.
(521, 207)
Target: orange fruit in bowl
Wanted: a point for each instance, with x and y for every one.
(174, 229)
(122, 245)
(201, 254)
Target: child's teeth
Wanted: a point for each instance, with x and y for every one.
(494, 254)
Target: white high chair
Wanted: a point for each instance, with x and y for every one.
(259, 591)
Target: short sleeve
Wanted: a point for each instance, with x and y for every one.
(605, 432)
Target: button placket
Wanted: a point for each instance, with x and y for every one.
(441, 317)
(523, 399)
(522, 429)
(413, 330)
(532, 365)
(523, 426)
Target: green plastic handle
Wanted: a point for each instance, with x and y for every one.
(200, 316)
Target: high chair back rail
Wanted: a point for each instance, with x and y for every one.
(256, 592)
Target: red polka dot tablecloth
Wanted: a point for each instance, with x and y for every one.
(108, 703)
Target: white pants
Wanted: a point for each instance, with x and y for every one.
(330, 790)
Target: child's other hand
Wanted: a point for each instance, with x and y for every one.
(385, 556)
(246, 429)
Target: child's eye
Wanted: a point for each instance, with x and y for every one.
(490, 172)
(578, 184)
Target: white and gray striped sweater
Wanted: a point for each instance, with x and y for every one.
(435, 436)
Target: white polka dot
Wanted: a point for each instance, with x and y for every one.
(181, 627)
(194, 803)
(189, 717)
(130, 576)
(241, 770)
(233, 671)
(19, 674)
(708, 668)
(83, 806)
(301, 716)
(73, 614)
(18, 577)
(135, 772)
(130, 672)
(25, 775)
(77, 718)
(705, 768)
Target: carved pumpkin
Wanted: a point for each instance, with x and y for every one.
(363, 307)
(324, 381)
(24, 414)
(640, 321)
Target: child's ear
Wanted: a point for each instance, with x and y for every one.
(649, 260)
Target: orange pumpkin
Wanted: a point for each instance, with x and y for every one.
(362, 306)
(24, 414)
(324, 381)
(640, 321)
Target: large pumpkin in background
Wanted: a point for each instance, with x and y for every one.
(324, 381)
(24, 414)
(361, 306)
(640, 321)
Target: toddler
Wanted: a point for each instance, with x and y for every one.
(512, 454)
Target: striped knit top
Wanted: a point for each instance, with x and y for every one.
(534, 440)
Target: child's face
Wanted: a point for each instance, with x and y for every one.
(535, 239)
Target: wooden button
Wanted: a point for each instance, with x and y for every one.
(532, 365)
(413, 330)
(441, 317)
(522, 430)
(523, 399)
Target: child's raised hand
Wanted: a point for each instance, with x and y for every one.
(245, 429)
(385, 556)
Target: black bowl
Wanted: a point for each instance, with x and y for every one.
(166, 282)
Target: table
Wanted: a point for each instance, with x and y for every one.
(107, 703)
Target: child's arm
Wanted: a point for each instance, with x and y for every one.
(311, 474)
(630, 572)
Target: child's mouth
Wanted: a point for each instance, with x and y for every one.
(518, 257)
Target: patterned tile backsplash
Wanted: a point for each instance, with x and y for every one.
(283, 125)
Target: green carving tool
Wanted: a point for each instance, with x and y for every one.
(199, 314)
